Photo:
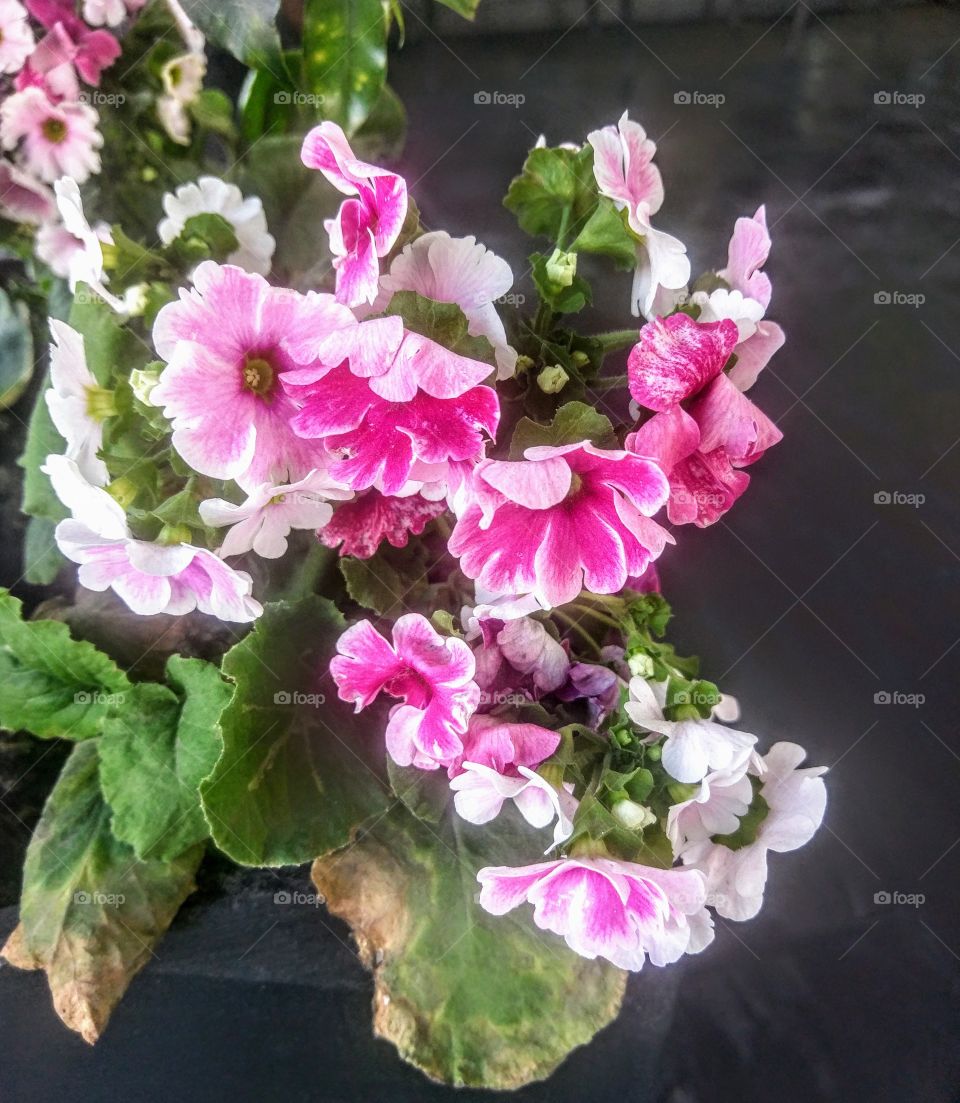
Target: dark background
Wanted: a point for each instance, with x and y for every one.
(808, 600)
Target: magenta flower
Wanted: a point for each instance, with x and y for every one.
(22, 198)
(55, 139)
(226, 343)
(676, 357)
(368, 223)
(603, 907)
(746, 254)
(361, 526)
(432, 674)
(88, 51)
(561, 519)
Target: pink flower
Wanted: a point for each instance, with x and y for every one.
(109, 12)
(360, 526)
(746, 255)
(16, 38)
(676, 357)
(603, 907)
(226, 343)
(57, 139)
(456, 270)
(90, 51)
(624, 170)
(521, 658)
(150, 578)
(432, 674)
(368, 223)
(561, 519)
(22, 198)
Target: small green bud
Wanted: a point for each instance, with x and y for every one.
(632, 815)
(561, 267)
(524, 363)
(123, 491)
(142, 382)
(580, 358)
(653, 753)
(148, 174)
(443, 621)
(552, 380)
(679, 792)
(641, 665)
(174, 534)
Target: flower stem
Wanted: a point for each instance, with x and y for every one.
(577, 627)
(616, 339)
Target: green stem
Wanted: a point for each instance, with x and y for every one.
(617, 339)
(577, 627)
(609, 383)
(597, 615)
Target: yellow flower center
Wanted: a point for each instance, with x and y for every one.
(54, 130)
(258, 375)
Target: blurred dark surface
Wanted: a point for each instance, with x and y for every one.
(808, 601)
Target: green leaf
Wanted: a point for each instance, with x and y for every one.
(555, 194)
(574, 421)
(43, 440)
(376, 584)
(90, 912)
(470, 998)
(345, 57)
(155, 751)
(444, 323)
(384, 131)
(245, 28)
(466, 8)
(16, 350)
(42, 559)
(426, 793)
(213, 110)
(53, 685)
(294, 779)
(606, 232)
(564, 300)
(203, 237)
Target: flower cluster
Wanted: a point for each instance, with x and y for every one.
(520, 634)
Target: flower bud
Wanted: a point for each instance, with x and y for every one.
(552, 380)
(561, 267)
(632, 815)
(123, 491)
(174, 534)
(142, 382)
(641, 665)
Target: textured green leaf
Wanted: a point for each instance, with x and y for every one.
(466, 8)
(345, 57)
(294, 778)
(43, 440)
(50, 684)
(383, 133)
(245, 28)
(42, 559)
(469, 998)
(574, 422)
(444, 323)
(555, 194)
(155, 750)
(606, 232)
(16, 350)
(90, 912)
(426, 793)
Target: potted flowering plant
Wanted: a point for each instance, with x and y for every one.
(398, 539)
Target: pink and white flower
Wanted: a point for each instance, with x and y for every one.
(715, 809)
(603, 907)
(561, 519)
(432, 674)
(150, 578)
(796, 800)
(211, 195)
(456, 270)
(519, 657)
(110, 13)
(22, 198)
(16, 37)
(54, 139)
(368, 223)
(675, 358)
(361, 526)
(89, 51)
(747, 253)
(72, 402)
(263, 522)
(624, 170)
(693, 747)
(226, 343)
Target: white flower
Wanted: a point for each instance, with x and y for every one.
(715, 809)
(109, 13)
(736, 306)
(182, 79)
(796, 801)
(480, 792)
(457, 270)
(71, 401)
(693, 746)
(662, 263)
(263, 522)
(210, 195)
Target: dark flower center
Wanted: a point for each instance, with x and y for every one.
(54, 130)
(258, 375)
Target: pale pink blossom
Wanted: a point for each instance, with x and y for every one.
(693, 747)
(149, 577)
(182, 79)
(110, 13)
(796, 800)
(561, 519)
(519, 657)
(54, 139)
(747, 253)
(23, 198)
(263, 522)
(714, 809)
(359, 527)
(624, 171)
(676, 357)
(71, 401)
(226, 342)
(603, 907)
(456, 270)
(430, 673)
(16, 37)
(368, 223)
(90, 51)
